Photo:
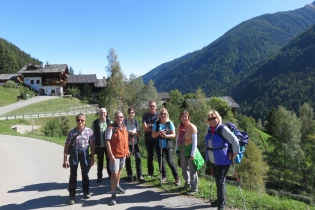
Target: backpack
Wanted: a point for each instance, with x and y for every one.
(242, 138)
(169, 142)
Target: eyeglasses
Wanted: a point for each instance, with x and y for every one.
(212, 118)
(80, 120)
(152, 106)
(119, 117)
(164, 114)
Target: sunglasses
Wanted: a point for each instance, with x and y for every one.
(80, 120)
(164, 114)
(212, 118)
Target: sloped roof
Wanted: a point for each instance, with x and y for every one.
(50, 68)
(82, 78)
(101, 82)
(8, 76)
(164, 95)
(228, 99)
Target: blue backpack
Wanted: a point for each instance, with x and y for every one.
(242, 138)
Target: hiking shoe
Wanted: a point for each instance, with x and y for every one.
(71, 201)
(113, 200)
(214, 203)
(87, 195)
(141, 179)
(191, 193)
(177, 181)
(120, 190)
(129, 178)
(98, 180)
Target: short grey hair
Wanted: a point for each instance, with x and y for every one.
(103, 109)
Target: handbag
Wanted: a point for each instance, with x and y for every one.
(70, 145)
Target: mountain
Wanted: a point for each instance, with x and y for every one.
(286, 79)
(12, 59)
(218, 64)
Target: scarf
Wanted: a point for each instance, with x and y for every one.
(181, 136)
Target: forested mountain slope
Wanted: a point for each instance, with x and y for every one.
(218, 64)
(286, 78)
(12, 59)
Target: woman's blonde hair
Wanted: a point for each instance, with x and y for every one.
(216, 114)
(167, 115)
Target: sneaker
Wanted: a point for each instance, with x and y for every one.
(98, 180)
(120, 190)
(141, 179)
(129, 178)
(71, 201)
(177, 181)
(163, 180)
(113, 200)
(87, 195)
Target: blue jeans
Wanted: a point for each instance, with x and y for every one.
(219, 172)
(73, 177)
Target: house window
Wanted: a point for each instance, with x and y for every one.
(37, 81)
(32, 82)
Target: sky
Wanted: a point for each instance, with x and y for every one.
(144, 33)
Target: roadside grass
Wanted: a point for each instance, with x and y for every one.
(8, 95)
(253, 200)
(55, 105)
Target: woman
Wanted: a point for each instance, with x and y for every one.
(133, 129)
(217, 153)
(186, 144)
(164, 131)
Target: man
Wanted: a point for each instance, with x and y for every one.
(148, 120)
(99, 126)
(80, 139)
(116, 136)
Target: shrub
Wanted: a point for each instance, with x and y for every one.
(52, 128)
(10, 84)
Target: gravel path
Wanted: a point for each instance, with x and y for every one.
(19, 104)
(32, 178)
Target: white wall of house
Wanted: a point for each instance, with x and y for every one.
(36, 84)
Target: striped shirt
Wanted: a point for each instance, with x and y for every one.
(83, 139)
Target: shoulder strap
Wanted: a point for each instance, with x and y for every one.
(75, 136)
(136, 123)
(219, 131)
(125, 121)
(157, 126)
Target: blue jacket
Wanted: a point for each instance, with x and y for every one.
(214, 141)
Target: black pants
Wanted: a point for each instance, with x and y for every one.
(138, 161)
(150, 145)
(169, 159)
(73, 177)
(100, 151)
(219, 172)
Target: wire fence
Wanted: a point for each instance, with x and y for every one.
(54, 114)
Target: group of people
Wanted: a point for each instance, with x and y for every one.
(118, 140)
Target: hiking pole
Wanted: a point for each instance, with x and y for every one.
(161, 159)
(133, 153)
(239, 184)
(211, 184)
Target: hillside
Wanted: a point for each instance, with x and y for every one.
(286, 79)
(12, 59)
(218, 64)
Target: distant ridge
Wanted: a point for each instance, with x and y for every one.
(218, 64)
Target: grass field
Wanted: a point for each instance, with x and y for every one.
(8, 96)
(54, 105)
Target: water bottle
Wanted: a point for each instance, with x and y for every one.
(237, 159)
